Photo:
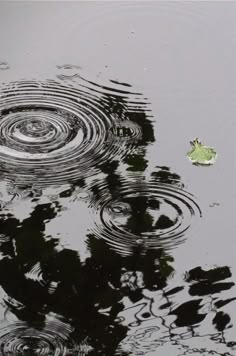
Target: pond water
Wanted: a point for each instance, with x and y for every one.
(111, 241)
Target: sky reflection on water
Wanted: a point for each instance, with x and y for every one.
(111, 242)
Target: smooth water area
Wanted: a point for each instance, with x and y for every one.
(111, 241)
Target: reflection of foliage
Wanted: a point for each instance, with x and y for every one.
(188, 313)
(145, 123)
(107, 297)
(99, 294)
(213, 275)
(106, 287)
(136, 162)
(30, 240)
(120, 108)
(140, 218)
(24, 247)
(188, 317)
(164, 175)
(221, 320)
(112, 179)
(204, 282)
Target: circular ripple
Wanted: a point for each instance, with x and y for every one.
(126, 130)
(68, 71)
(52, 133)
(149, 214)
(20, 339)
(4, 66)
(35, 132)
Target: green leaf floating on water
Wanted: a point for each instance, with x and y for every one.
(200, 154)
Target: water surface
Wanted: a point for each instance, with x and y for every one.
(111, 241)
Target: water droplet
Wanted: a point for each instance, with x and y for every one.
(68, 71)
(214, 204)
(4, 66)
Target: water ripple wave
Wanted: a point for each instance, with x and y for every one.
(21, 339)
(148, 214)
(54, 133)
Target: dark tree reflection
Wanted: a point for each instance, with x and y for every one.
(94, 294)
(116, 300)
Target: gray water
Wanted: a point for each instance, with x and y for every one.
(112, 242)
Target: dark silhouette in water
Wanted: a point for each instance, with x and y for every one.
(108, 297)
(81, 292)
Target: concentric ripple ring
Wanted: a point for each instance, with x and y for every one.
(20, 339)
(152, 215)
(51, 133)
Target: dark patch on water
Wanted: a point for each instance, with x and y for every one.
(4, 66)
(149, 214)
(74, 144)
